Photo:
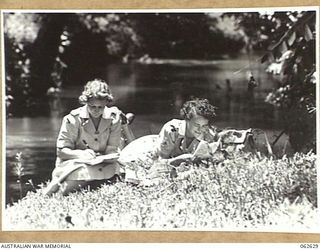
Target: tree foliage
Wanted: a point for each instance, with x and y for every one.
(185, 35)
(288, 39)
(44, 50)
(20, 33)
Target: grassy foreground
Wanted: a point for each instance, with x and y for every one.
(245, 192)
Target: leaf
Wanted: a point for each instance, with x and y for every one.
(307, 33)
(283, 47)
(292, 38)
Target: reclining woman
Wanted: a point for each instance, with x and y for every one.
(178, 139)
(193, 137)
(87, 132)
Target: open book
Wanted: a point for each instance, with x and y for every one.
(206, 149)
(69, 168)
(100, 159)
(232, 136)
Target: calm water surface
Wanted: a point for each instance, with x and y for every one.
(155, 94)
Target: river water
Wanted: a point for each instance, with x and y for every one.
(155, 93)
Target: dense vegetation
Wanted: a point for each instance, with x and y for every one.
(244, 192)
(288, 40)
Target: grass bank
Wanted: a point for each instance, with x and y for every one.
(245, 192)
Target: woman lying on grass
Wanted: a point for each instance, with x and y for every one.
(183, 140)
(179, 139)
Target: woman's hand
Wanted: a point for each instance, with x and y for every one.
(206, 149)
(87, 154)
(203, 150)
(234, 136)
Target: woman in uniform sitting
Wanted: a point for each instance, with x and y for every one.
(86, 133)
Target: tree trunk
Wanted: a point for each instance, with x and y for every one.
(45, 50)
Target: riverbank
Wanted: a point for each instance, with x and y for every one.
(245, 192)
(154, 93)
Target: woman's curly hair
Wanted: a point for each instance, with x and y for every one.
(200, 107)
(96, 88)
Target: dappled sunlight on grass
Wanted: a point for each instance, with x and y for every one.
(244, 192)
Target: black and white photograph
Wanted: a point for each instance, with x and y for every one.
(163, 119)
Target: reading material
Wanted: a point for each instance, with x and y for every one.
(99, 159)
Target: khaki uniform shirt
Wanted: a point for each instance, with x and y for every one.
(78, 132)
(172, 139)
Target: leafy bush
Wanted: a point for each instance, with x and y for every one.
(244, 192)
(288, 39)
(20, 32)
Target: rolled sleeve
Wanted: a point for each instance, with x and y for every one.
(165, 144)
(114, 137)
(68, 133)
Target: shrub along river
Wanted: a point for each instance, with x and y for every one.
(155, 93)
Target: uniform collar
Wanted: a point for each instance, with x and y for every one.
(109, 117)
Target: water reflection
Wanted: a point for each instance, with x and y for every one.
(155, 94)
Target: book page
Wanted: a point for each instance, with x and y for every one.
(99, 159)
